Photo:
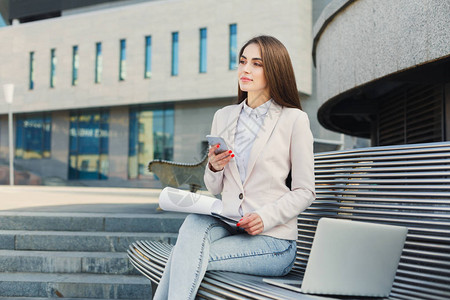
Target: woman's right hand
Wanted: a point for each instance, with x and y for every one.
(218, 161)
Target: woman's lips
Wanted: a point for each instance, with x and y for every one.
(245, 79)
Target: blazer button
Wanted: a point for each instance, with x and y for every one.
(241, 196)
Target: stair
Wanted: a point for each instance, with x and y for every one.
(77, 255)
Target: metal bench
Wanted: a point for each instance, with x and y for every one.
(406, 185)
(175, 174)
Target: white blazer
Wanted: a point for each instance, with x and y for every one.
(283, 143)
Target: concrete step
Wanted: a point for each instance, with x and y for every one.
(167, 222)
(66, 262)
(74, 286)
(77, 241)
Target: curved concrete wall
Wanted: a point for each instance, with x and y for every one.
(356, 42)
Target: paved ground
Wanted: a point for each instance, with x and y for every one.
(78, 199)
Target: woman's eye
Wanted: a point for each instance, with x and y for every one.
(258, 64)
(242, 61)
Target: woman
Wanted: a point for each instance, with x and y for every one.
(271, 139)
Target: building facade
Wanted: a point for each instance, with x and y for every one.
(102, 90)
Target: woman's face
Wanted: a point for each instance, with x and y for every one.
(251, 71)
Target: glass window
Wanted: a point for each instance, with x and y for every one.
(122, 63)
(88, 145)
(33, 136)
(75, 65)
(203, 48)
(98, 62)
(148, 57)
(31, 76)
(174, 53)
(151, 137)
(52, 67)
(233, 47)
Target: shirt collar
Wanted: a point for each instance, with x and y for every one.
(260, 111)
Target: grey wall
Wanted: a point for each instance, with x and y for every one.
(369, 39)
(60, 143)
(192, 123)
(118, 142)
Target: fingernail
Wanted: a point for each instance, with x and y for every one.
(230, 151)
(218, 145)
(241, 219)
(238, 224)
(232, 155)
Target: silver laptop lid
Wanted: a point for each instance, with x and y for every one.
(353, 258)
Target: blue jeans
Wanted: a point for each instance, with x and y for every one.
(206, 243)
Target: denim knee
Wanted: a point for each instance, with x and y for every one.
(195, 222)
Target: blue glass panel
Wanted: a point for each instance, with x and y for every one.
(133, 137)
(158, 134)
(73, 133)
(148, 57)
(123, 57)
(233, 47)
(174, 53)
(31, 76)
(73, 146)
(98, 62)
(169, 132)
(104, 132)
(88, 143)
(203, 47)
(52, 67)
(33, 136)
(19, 137)
(75, 65)
(88, 147)
(47, 136)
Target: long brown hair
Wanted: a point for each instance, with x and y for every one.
(278, 71)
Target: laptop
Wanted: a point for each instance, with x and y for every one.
(350, 258)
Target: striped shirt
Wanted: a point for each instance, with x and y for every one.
(250, 122)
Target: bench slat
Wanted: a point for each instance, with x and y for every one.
(240, 287)
(407, 201)
(374, 161)
(354, 174)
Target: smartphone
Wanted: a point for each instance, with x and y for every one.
(214, 140)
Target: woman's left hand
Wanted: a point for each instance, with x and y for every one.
(252, 223)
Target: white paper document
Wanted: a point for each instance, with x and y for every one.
(172, 199)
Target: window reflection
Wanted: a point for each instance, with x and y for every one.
(151, 137)
(203, 49)
(98, 62)
(148, 57)
(33, 136)
(31, 75)
(123, 57)
(75, 65)
(88, 145)
(233, 47)
(174, 53)
(52, 67)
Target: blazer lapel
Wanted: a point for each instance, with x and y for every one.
(228, 133)
(263, 136)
